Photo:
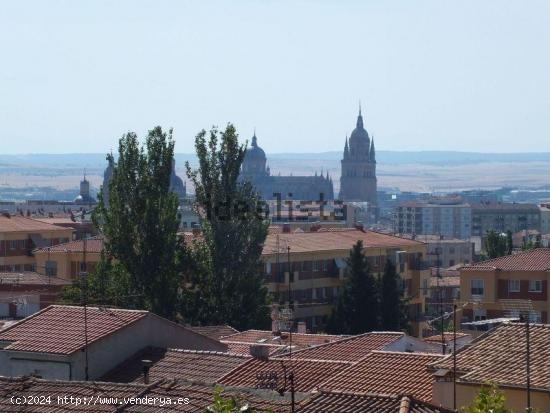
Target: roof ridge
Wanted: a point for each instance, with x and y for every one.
(209, 352)
(414, 353)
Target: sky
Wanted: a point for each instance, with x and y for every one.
(430, 75)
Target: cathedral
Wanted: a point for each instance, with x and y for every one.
(358, 178)
(306, 188)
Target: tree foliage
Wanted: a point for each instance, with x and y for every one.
(488, 400)
(139, 268)
(357, 308)
(229, 404)
(497, 245)
(226, 284)
(392, 306)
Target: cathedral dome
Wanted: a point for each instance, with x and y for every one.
(255, 152)
(359, 134)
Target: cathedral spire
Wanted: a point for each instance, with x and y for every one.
(360, 118)
(254, 139)
(372, 155)
(346, 149)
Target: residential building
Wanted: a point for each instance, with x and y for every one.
(499, 357)
(66, 260)
(446, 252)
(486, 287)
(19, 236)
(318, 264)
(502, 217)
(544, 210)
(25, 293)
(77, 343)
(449, 217)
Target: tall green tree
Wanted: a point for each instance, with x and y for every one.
(227, 285)
(357, 308)
(393, 315)
(496, 244)
(488, 400)
(140, 225)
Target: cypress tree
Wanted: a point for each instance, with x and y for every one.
(392, 307)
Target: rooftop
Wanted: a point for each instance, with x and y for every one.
(176, 364)
(342, 402)
(299, 340)
(499, 356)
(505, 207)
(30, 278)
(93, 245)
(446, 281)
(215, 332)
(350, 349)
(17, 223)
(308, 374)
(60, 329)
(533, 260)
(390, 373)
(448, 336)
(335, 239)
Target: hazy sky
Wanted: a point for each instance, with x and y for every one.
(441, 75)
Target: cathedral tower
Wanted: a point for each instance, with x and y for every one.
(358, 179)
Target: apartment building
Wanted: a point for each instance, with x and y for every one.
(486, 288)
(318, 263)
(20, 235)
(448, 217)
(503, 217)
(544, 210)
(446, 252)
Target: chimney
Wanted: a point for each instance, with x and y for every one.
(286, 228)
(359, 226)
(302, 327)
(146, 367)
(275, 327)
(315, 228)
(259, 352)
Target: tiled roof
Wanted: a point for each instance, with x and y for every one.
(386, 372)
(267, 337)
(341, 402)
(215, 332)
(22, 224)
(199, 397)
(350, 349)
(308, 374)
(205, 366)
(534, 260)
(236, 347)
(447, 336)
(446, 281)
(60, 329)
(341, 239)
(499, 356)
(93, 245)
(30, 278)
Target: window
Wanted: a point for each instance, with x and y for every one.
(535, 317)
(51, 268)
(315, 265)
(268, 268)
(535, 286)
(513, 286)
(13, 245)
(325, 265)
(477, 287)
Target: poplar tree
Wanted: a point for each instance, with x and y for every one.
(392, 306)
(226, 284)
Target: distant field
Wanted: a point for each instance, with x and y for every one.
(410, 177)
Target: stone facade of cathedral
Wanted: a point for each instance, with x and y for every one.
(358, 178)
(305, 188)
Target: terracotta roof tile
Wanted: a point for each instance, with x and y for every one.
(215, 332)
(341, 239)
(60, 329)
(350, 349)
(23, 224)
(93, 245)
(386, 372)
(339, 402)
(534, 260)
(499, 356)
(449, 337)
(31, 279)
(205, 366)
(244, 348)
(307, 373)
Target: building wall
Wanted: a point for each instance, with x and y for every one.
(496, 288)
(516, 399)
(67, 262)
(545, 220)
(450, 221)
(503, 220)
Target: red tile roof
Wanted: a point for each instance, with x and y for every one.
(338, 239)
(534, 260)
(448, 337)
(93, 245)
(29, 278)
(60, 329)
(499, 356)
(446, 281)
(22, 224)
(205, 366)
(342, 402)
(236, 347)
(307, 373)
(215, 332)
(386, 372)
(350, 349)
